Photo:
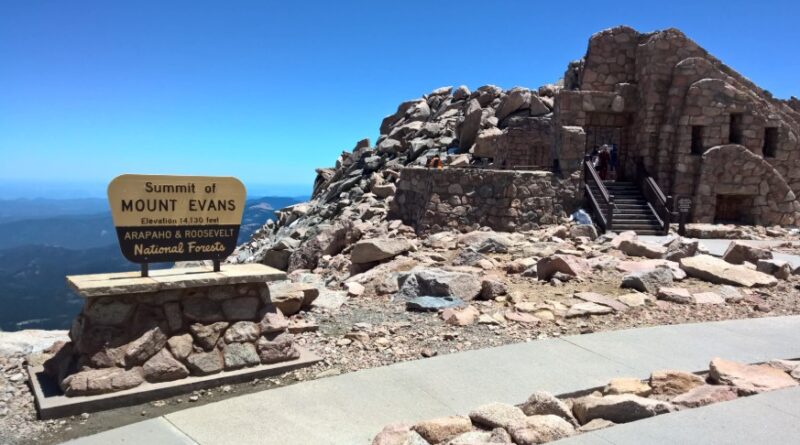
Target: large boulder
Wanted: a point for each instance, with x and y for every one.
(516, 99)
(637, 247)
(438, 283)
(739, 252)
(567, 264)
(749, 379)
(378, 249)
(486, 143)
(468, 130)
(715, 270)
(618, 408)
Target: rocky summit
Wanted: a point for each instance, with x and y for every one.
(482, 217)
(514, 160)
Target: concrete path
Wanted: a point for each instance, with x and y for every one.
(718, 247)
(350, 409)
(772, 417)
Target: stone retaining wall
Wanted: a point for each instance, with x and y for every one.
(121, 341)
(431, 200)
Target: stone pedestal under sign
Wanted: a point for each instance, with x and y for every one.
(172, 325)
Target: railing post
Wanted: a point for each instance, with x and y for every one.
(667, 214)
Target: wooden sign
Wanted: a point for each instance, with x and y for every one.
(163, 218)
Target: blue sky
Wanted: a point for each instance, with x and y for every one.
(267, 91)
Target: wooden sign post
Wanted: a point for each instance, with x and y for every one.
(163, 218)
(684, 204)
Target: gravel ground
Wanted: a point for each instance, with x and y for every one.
(372, 330)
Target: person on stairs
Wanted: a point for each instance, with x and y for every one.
(603, 162)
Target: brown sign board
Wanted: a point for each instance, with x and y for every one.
(161, 218)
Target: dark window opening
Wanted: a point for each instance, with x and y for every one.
(770, 142)
(735, 131)
(697, 140)
(734, 209)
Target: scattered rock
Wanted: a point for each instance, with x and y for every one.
(634, 299)
(426, 303)
(444, 428)
(460, 317)
(492, 288)
(618, 408)
(707, 298)
(566, 264)
(705, 395)
(540, 429)
(586, 309)
(543, 403)
(675, 295)
(637, 247)
(627, 386)
(715, 270)
(672, 383)
(739, 252)
(495, 415)
(602, 299)
(595, 424)
(378, 249)
(777, 268)
(648, 281)
(438, 283)
(354, 289)
(749, 379)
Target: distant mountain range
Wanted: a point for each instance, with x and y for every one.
(43, 240)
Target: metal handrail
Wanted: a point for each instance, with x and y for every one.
(591, 177)
(656, 199)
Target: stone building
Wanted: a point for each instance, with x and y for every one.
(699, 128)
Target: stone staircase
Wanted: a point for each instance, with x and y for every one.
(631, 209)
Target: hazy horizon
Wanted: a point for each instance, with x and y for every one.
(76, 189)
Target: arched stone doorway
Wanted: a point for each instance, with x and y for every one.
(736, 185)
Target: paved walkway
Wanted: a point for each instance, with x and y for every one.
(350, 409)
(719, 246)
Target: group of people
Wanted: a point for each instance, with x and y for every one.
(604, 159)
